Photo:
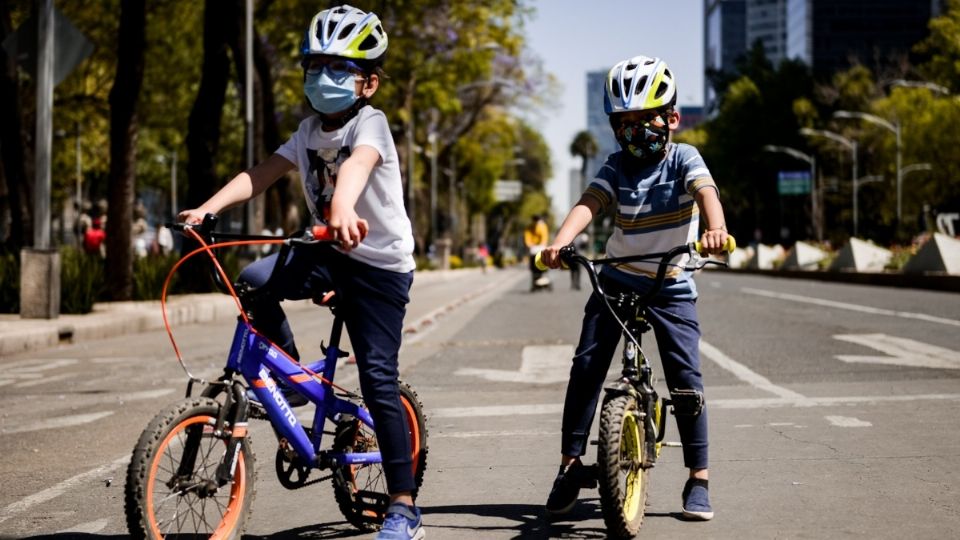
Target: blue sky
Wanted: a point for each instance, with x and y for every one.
(573, 37)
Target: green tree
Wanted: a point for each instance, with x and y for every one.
(583, 146)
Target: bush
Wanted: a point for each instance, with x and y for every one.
(9, 282)
(149, 273)
(81, 280)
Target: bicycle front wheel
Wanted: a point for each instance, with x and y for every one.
(620, 457)
(162, 500)
(361, 490)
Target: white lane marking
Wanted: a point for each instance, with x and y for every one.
(763, 403)
(540, 364)
(851, 307)
(55, 423)
(494, 434)
(495, 410)
(744, 373)
(91, 527)
(746, 403)
(45, 380)
(847, 421)
(146, 394)
(900, 352)
(39, 364)
(53, 492)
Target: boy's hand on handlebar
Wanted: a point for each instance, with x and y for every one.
(713, 241)
(193, 216)
(348, 228)
(550, 256)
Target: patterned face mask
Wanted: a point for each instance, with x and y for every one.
(642, 139)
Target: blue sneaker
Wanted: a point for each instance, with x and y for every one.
(402, 523)
(696, 500)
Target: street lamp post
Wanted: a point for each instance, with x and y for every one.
(856, 189)
(852, 145)
(921, 84)
(895, 128)
(796, 154)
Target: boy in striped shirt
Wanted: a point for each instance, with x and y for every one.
(657, 191)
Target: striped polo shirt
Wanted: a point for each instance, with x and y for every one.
(655, 211)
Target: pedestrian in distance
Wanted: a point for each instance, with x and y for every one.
(94, 237)
(659, 190)
(482, 255)
(351, 181)
(535, 238)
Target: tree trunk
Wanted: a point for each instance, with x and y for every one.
(14, 184)
(123, 149)
(220, 22)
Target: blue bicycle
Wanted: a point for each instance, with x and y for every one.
(193, 468)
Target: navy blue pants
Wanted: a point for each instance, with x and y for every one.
(372, 303)
(675, 325)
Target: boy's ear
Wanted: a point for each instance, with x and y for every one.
(370, 85)
(674, 119)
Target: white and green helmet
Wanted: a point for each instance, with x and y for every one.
(638, 84)
(347, 32)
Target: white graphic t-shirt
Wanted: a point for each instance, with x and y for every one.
(318, 155)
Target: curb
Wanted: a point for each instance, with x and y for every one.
(935, 282)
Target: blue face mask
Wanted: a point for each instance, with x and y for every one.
(330, 92)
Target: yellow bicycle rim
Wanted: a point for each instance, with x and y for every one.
(631, 451)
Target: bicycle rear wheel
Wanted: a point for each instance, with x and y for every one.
(620, 455)
(160, 502)
(361, 490)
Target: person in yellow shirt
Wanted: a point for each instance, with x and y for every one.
(536, 235)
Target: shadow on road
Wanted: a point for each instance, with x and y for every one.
(530, 520)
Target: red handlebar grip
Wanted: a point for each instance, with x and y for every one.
(321, 232)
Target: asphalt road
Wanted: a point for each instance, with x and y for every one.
(833, 414)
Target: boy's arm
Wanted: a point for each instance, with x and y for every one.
(576, 221)
(352, 177)
(715, 232)
(240, 189)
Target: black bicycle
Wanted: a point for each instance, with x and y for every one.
(631, 416)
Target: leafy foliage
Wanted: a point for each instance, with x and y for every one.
(81, 280)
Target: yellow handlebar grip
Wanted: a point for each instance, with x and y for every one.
(538, 262)
(729, 245)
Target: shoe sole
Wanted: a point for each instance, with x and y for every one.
(561, 511)
(699, 516)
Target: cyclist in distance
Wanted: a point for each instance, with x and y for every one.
(658, 189)
(347, 160)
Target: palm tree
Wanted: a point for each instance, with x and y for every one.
(584, 146)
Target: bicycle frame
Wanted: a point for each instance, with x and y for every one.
(255, 358)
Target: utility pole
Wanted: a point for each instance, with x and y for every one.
(40, 265)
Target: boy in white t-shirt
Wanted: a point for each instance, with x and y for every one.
(351, 180)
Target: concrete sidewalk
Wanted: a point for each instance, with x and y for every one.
(110, 319)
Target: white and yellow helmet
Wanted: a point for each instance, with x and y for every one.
(638, 84)
(347, 32)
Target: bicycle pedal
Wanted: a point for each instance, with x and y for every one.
(257, 411)
(672, 444)
(371, 505)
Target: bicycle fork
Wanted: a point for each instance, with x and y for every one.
(232, 412)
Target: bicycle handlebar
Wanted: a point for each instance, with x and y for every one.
(569, 255)
(313, 235)
(317, 234)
